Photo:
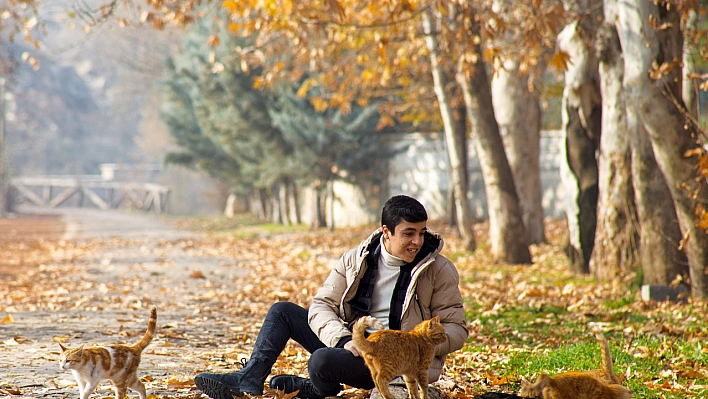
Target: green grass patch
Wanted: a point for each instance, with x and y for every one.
(620, 302)
(577, 356)
(240, 226)
(652, 366)
(523, 325)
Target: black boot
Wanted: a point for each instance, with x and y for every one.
(290, 383)
(249, 380)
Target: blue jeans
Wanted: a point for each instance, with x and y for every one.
(328, 367)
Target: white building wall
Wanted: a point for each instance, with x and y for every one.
(421, 170)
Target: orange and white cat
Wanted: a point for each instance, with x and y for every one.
(390, 353)
(117, 363)
(592, 384)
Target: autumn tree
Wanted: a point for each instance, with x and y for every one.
(633, 191)
(581, 125)
(617, 238)
(517, 84)
(381, 44)
(638, 170)
(380, 49)
(652, 80)
(507, 234)
(272, 139)
(439, 51)
(454, 126)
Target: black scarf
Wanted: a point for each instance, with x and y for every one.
(361, 303)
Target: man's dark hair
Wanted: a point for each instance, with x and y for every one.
(402, 207)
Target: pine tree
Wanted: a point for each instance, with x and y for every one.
(330, 145)
(255, 138)
(198, 150)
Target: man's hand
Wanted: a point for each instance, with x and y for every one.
(351, 347)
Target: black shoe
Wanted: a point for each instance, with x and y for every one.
(249, 380)
(290, 383)
(218, 386)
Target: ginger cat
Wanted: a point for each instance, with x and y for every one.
(117, 363)
(390, 353)
(593, 384)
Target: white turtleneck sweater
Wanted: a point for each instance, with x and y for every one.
(386, 277)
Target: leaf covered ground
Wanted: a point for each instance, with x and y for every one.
(213, 286)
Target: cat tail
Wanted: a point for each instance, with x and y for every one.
(152, 326)
(359, 333)
(606, 355)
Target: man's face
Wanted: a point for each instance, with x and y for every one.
(407, 241)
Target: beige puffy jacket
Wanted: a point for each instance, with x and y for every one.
(433, 291)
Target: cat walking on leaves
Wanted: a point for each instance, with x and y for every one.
(117, 363)
(390, 353)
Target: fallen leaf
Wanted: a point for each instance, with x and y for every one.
(197, 274)
(13, 390)
(8, 319)
(176, 382)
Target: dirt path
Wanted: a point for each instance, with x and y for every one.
(105, 272)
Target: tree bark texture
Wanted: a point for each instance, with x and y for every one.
(276, 214)
(258, 204)
(230, 205)
(657, 104)
(518, 113)
(295, 214)
(330, 201)
(507, 234)
(581, 117)
(659, 254)
(616, 247)
(283, 202)
(689, 87)
(317, 207)
(4, 162)
(455, 135)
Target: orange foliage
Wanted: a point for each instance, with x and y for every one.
(353, 51)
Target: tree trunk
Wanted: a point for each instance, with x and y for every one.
(518, 112)
(284, 201)
(689, 87)
(318, 208)
(294, 199)
(616, 245)
(660, 258)
(331, 197)
(581, 117)
(258, 205)
(4, 174)
(455, 135)
(507, 234)
(657, 105)
(230, 205)
(264, 198)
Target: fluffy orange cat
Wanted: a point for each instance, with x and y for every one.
(117, 363)
(390, 353)
(593, 384)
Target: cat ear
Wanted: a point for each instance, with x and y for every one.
(63, 348)
(436, 319)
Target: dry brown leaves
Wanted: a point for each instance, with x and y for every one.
(212, 292)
